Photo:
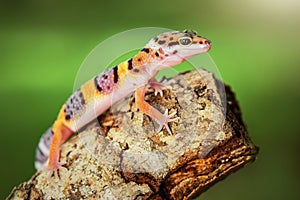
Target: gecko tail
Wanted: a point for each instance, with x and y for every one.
(42, 151)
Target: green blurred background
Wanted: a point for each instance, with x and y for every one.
(256, 46)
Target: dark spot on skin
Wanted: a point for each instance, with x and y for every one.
(104, 76)
(130, 64)
(161, 51)
(116, 75)
(136, 70)
(190, 32)
(76, 102)
(166, 55)
(96, 84)
(139, 59)
(161, 41)
(41, 152)
(194, 42)
(173, 43)
(174, 52)
(108, 87)
(68, 117)
(171, 38)
(155, 39)
(157, 54)
(165, 36)
(147, 50)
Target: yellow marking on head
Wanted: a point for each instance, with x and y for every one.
(178, 39)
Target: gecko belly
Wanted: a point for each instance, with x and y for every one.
(91, 111)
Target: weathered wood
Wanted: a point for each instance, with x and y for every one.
(120, 156)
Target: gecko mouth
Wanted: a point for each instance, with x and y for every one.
(208, 46)
(203, 48)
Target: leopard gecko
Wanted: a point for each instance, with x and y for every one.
(133, 75)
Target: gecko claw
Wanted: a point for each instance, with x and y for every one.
(56, 169)
(158, 87)
(166, 120)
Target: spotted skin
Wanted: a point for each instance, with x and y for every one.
(104, 82)
(74, 105)
(98, 94)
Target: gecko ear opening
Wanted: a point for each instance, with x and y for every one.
(161, 51)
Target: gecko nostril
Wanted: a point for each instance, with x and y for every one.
(201, 42)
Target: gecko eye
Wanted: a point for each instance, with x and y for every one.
(185, 41)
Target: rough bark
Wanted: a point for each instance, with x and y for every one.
(121, 156)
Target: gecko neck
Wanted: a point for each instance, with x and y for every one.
(151, 61)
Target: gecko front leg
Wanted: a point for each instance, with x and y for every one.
(162, 119)
(157, 86)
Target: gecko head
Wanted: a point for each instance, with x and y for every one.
(172, 48)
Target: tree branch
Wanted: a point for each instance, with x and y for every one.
(120, 155)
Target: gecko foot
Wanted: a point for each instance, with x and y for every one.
(167, 118)
(56, 169)
(158, 87)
